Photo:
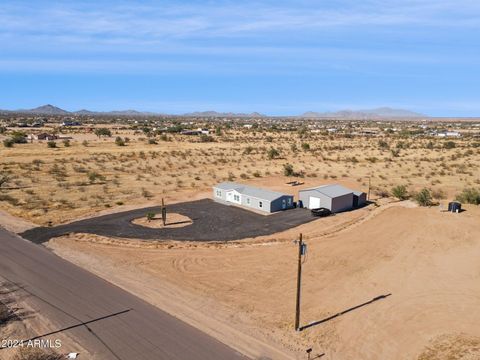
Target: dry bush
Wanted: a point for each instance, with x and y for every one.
(36, 354)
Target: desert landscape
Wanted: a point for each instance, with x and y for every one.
(396, 279)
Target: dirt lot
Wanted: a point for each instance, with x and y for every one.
(426, 259)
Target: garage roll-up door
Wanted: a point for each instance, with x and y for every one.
(314, 202)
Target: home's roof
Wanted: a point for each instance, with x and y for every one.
(333, 190)
(250, 191)
(358, 193)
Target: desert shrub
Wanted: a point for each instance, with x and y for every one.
(273, 153)
(66, 143)
(469, 196)
(150, 216)
(4, 178)
(206, 138)
(382, 144)
(243, 176)
(29, 353)
(449, 145)
(19, 137)
(152, 141)
(85, 143)
(8, 143)
(119, 141)
(93, 176)
(400, 192)
(424, 197)
(3, 129)
(438, 194)
(256, 174)
(395, 152)
(164, 137)
(305, 146)
(103, 132)
(383, 193)
(51, 144)
(288, 170)
(5, 314)
(248, 150)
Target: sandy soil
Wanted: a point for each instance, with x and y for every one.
(243, 293)
(173, 221)
(27, 323)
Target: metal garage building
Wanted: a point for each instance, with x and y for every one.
(334, 197)
(252, 197)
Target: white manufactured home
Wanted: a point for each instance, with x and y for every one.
(252, 197)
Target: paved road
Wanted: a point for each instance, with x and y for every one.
(68, 296)
(211, 222)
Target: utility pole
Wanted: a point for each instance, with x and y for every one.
(301, 251)
(164, 213)
(369, 182)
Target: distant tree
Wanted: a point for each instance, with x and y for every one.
(400, 192)
(66, 143)
(103, 132)
(3, 129)
(218, 131)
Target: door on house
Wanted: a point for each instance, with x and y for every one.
(229, 196)
(314, 202)
(284, 204)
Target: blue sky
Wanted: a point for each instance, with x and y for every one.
(276, 57)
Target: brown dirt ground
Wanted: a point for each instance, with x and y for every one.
(244, 292)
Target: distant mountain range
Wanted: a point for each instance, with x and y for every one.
(362, 114)
(383, 112)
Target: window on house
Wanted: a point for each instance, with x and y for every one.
(236, 197)
(248, 201)
(219, 193)
(260, 204)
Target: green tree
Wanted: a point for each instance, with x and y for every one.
(305, 146)
(103, 132)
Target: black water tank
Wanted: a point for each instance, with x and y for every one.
(454, 206)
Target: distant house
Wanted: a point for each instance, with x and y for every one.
(70, 123)
(336, 198)
(42, 136)
(198, 131)
(252, 197)
(449, 134)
